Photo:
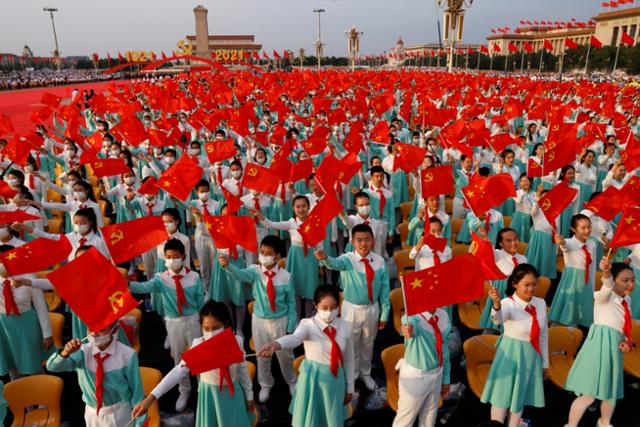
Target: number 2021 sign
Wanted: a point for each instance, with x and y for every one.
(227, 54)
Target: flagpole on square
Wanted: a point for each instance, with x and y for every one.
(586, 62)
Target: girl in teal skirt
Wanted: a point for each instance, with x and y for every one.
(633, 260)
(541, 251)
(573, 302)
(524, 201)
(586, 176)
(220, 404)
(326, 381)
(597, 372)
(515, 377)
(568, 174)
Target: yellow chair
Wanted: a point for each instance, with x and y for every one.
(403, 228)
(598, 280)
(397, 307)
(563, 345)
(506, 220)
(53, 299)
(103, 207)
(405, 210)
(544, 283)
(283, 262)
(54, 225)
(459, 249)
(250, 310)
(456, 226)
(560, 263)
(40, 391)
(390, 357)
(403, 262)
(106, 221)
(448, 206)
(632, 358)
(150, 378)
(57, 325)
(522, 247)
(470, 312)
(412, 192)
(479, 352)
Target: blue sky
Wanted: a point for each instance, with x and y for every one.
(85, 26)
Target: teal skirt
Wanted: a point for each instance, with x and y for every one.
(303, 270)
(281, 212)
(464, 236)
(218, 408)
(541, 253)
(318, 400)
(507, 208)
(565, 221)
(399, 186)
(485, 320)
(223, 287)
(599, 251)
(573, 302)
(521, 222)
(598, 368)
(585, 193)
(21, 344)
(601, 176)
(515, 377)
(635, 296)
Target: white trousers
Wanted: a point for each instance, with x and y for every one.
(266, 331)
(117, 415)
(380, 239)
(364, 320)
(181, 332)
(206, 255)
(419, 395)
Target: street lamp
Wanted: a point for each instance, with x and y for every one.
(319, 42)
(453, 24)
(56, 53)
(353, 37)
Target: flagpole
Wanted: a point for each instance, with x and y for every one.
(541, 53)
(615, 63)
(466, 59)
(479, 53)
(522, 61)
(506, 61)
(404, 297)
(562, 60)
(586, 62)
(491, 62)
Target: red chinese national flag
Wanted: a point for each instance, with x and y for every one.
(94, 289)
(132, 130)
(301, 170)
(109, 167)
(630, 191)
(607, 204)
(382, 103)
(595, 42)
(276, 54)
(456, 281)
(181, 177)
(233, 202)
(547, 45)
(409, 157)
(512, 47)
(9, 217)
(483, 194)
(626, 39)
(37, 255)
(628, 231)
(437, 244)
(261, 179)
(437, 181)
(218, 151)
(219, 351)
(554, 201)
(229, 230)
(483, 250)
(528, 47)
(149, 186)
(17, 151)
(127, 240)
(51, 100)
(6, 190)
(380, 133)
(496, 48)
(570, 44)
(313, 229)
(161, 138)
(484, 49)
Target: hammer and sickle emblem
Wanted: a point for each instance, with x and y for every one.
(186, 47)
(117, 301)
(546, 205)
(551, 145)
(555, 128)
(551, 156)
(428, 177)
(474, 247)
(210, 149)
(116, 236)
(97, 165)
(593, 209)
(252, 172)
(624, 156)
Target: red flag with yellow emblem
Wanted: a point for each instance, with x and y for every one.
(261, 179)
(455, 281)
(37, 255)
(181, 177)
(606, 204)
(127, 240)
(482, 249)
(314, 228)
(109, 167)
(227, 231)
(628, 231)
(483, 194)
(409, 157)
(554, 201)
(98, 302)
(220, 150)
(17, 151)
(437, 181)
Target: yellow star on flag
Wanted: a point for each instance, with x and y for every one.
(417, 283)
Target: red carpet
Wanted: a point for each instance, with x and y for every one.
(18, 104)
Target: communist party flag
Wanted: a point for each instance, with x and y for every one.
(219, 351)
(99, 301)
(181, 177)
(606, 204)
(455, 281)
(437, 181)
(628, 231)
(259, 178)
(126, 240)
(6, 190)
(220, 150)
(534, 169)
(484, 193)
(554, 201)
(108, 167)
(37, 255)
(17, 151)
(314, 228)
(558, 154)
(631, 158)
(483, 250)
(9, 217)
(227, 231)
(409, 157)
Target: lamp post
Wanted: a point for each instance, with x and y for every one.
(301, 56)
(56, 53)
(353, 46)
(453, 24)
(319, 42)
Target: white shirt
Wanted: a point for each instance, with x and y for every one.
(425, 259)
(599, 226)
(607, 308)
(27, 297)
(575, 257)
(291, 226)
(504, 261)
(525, 201)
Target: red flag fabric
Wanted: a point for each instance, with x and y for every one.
(455, 281)
(5, 124)
(109, 167)
(437, 244)
(528, 47)
(276, 54)
(382, 103)
(37, 255)
(100, 301)
(558, 155)
(131, 130)
(484, 193)
(233, 202)
(126, 240)
(301, 170)
(607, 204)
(534, 169)
(484, 49)
(437, 181)
(595, 42)
(149, 186)
(631, 158)
(512, 47)
(261, 179)
(570, 44)
(554, 201)
(181, 177)
(483, 250)
(6, 190)
(17, 151)
(313, 229)
(51, 100)
(228, 231)
(547, 45)
(626, 39)
(631, 191)
(219, 351)
(8, 217)
(380, 132)
(409, 158)
(628, 231)
(218, 151)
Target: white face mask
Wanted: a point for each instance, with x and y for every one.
(28, 169)
(266, 261)
(193, 151)
(101, 339)
(79, 195)
(129, 180)
(169, 160)
(81, 228)
(364, 209)
(203, 196)
(327, 316)
(173, 264)
(208, 334)
(4, 233)
(114, 153)
(13, 182)
(236, 173)
(171, 227)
